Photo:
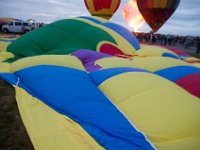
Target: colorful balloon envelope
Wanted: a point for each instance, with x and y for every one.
(157, 12)
(102, 8)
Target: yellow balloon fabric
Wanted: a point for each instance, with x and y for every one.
(157, 63)
(5, 55)
(196, 65)
(59, 60)
(158, 108)
(5, 67)
(193, 61)
(150, 51)
(112, 62)
(45, 125)
(3, 46)
(149, 63)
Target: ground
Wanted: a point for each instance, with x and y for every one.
(13, 135)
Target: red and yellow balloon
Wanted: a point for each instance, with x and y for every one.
(157, 12)
(102, 8)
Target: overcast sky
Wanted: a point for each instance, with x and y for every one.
(185, 21)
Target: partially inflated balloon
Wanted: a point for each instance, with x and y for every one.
(157, 12)
(91, 99)
(102, 8)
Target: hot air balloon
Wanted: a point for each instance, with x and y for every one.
(102, 8)
(157, 12)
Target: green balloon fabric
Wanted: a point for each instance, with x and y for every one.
(61, 37)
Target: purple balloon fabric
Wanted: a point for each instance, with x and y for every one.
(88, 58)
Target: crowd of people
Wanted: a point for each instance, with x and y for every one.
(170, 40)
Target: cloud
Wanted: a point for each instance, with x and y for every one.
(55, 2)
(186, 19)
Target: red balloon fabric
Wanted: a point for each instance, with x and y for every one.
(191, 83)
(178, 51)
(110, 49)
(102, 8)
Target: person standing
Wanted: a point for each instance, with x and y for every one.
(198, 46)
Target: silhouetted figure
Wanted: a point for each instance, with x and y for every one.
(198, 46)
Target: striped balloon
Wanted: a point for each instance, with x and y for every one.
(157, 12)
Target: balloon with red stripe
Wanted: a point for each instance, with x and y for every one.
(102, 8)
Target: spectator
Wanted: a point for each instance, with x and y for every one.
(198, 46)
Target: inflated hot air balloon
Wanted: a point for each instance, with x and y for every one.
(157, 12)
(102, 8)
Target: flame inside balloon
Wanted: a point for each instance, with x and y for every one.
(132, 15)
